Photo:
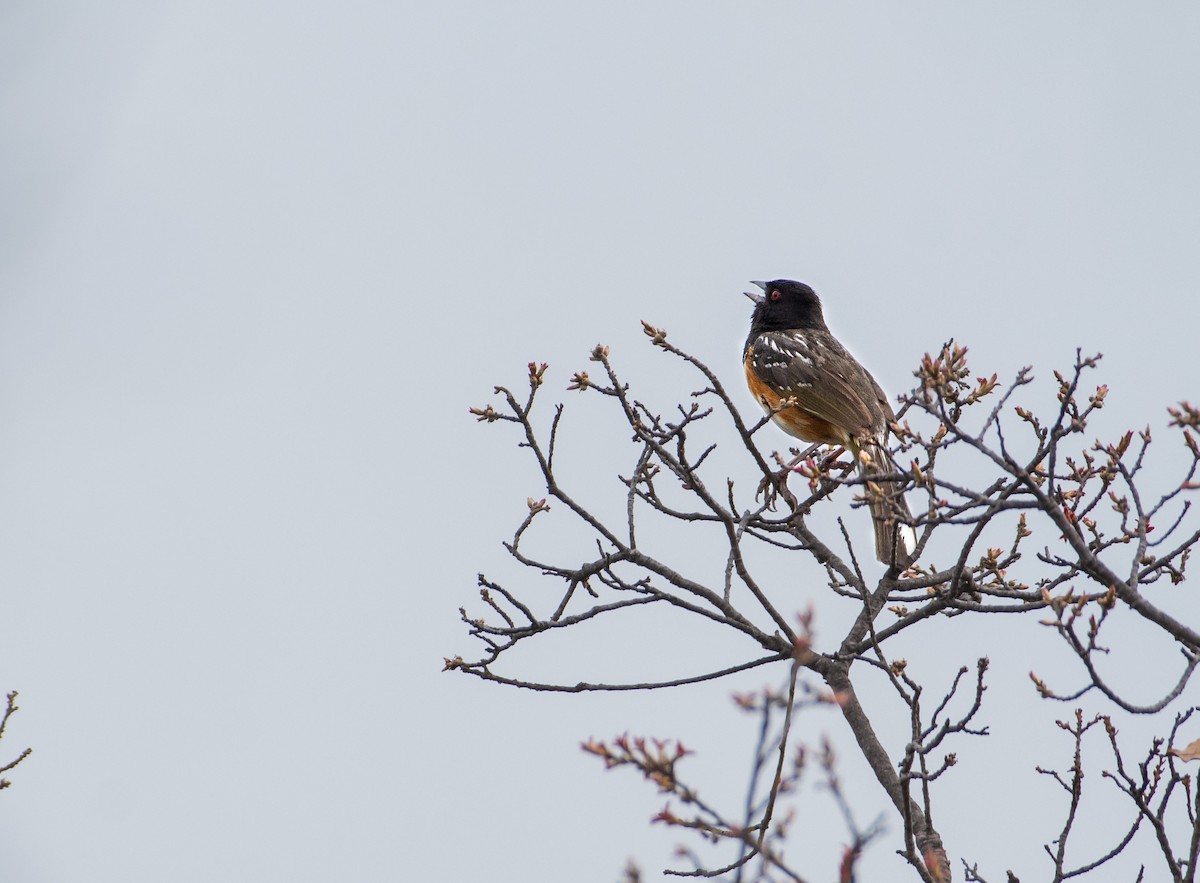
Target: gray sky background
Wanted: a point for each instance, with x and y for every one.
(258, 259)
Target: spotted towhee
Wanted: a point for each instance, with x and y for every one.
(815, 390)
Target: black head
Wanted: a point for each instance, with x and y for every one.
(785, 304)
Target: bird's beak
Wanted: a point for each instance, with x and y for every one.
(757, 298)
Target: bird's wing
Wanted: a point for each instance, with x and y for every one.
(818, 372)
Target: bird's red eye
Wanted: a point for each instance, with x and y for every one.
(775, 295)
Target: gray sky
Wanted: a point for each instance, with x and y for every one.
(260, 258)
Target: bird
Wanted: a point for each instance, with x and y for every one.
(815, 390)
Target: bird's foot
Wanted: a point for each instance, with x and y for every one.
(831, 460)
(774, 486)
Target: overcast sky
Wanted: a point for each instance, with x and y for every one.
(258, 259)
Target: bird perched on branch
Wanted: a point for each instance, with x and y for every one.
(816, 391)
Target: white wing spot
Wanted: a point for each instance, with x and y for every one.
(801, 347)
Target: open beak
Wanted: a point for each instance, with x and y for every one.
(757, 298)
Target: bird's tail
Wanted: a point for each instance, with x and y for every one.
(895, 538)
